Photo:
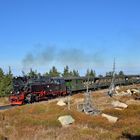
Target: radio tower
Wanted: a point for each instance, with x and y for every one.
(112, 85)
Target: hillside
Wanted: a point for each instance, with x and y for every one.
(39, 121)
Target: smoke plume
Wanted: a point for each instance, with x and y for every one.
(73, 57)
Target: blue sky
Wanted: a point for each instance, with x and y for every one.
(79, 33)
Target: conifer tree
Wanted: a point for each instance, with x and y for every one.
(32, 73)
(5, 83)
(53, 72)
(66, 72)
(90, 73)
(75, 73)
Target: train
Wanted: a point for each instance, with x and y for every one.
(29, 90)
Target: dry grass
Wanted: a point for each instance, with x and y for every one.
(39, 121)
(4, 101)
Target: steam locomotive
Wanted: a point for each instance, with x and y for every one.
(29, 90)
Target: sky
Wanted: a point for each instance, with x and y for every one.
(83, 34)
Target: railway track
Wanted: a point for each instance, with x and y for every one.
(6, 107)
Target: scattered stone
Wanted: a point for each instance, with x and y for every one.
(61, 103)
(122, 92)
(119, 104)
(118, 108)
(136, 96)
(66, 120)
(110, 118)
(116, 92)
(129, 91)
(117, 88)
(135, 91)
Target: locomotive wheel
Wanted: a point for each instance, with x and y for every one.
(36, 98)
(32, 98)
(28, 99)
